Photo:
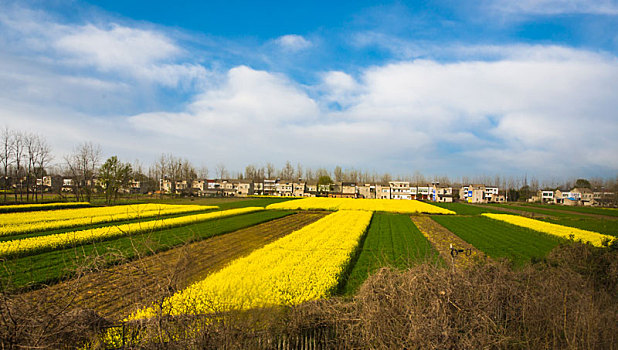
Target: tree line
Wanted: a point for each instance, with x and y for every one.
(26, 158)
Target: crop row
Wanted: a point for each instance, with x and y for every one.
(385, 205)
(32, 245)
(52, 266)
(305, 265)
(499, 239)
(392, 240)
(41, 206)
(16, 223)
(594, 238)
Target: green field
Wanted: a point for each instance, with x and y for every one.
(499, 239)
(585, 210)
(55, 265)
(465, 209)
(605, 226)
(392, 240)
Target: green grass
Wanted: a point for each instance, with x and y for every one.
(392, 240)
(465, 209)
(499, 239)
(50, 267)
(571, 219)
(585, 210)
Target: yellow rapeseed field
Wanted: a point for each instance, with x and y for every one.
(553, 229)
(50, 242)
(387, 205)
(305, 265)
(41, 206)
(14, 223)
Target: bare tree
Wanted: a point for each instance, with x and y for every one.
(287, 172)
(270, 170)
(18, 153)
(41, 161)
(250, 172)
(338, 172)
(299, 171)
(221, 170)
(82, 164)
(6, 156)
(202, 172)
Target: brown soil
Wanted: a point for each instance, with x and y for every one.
(118, 291)
(441, 239)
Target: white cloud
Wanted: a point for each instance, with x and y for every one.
(528, 108)
(556, 7)
(142, 54)
(293, 42)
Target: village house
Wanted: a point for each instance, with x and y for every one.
(299, 189)
(400, 190)
(383, 191)
(366, 191)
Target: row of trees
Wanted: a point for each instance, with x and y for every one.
(23, 157)
(26, 157)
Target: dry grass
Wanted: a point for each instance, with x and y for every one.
(567, 301)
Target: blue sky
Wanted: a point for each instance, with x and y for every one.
(442, 87)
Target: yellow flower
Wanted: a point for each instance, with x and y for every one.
(305, 265)
(61, 240)
(15, 223)
(387, 205)
(553, 229)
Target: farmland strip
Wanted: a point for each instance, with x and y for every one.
(32, 245)
(116, 292)
(386, 205)
(594, 238)
(500, 240)
(305, 265)
(392, 240)
(50, 267)
(442, 239)
(15, 223)
(41, 206)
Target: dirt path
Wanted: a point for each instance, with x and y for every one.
(441, 239)
(118, 291)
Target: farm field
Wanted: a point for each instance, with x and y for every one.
(31, 245)
(278, 273)
(575, 209)
(117, 291)
(465, 209)
(29, 222)
(385, 205)
(49, 267)
(392, 240)
(225, 203)
(605, 225)
(41, 206)
(594, 238)
(500, 240)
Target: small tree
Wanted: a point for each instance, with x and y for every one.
(114, 175)
(582, 183)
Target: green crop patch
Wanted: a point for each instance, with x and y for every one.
(391, 240)
(465, 209)
(499, 239)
